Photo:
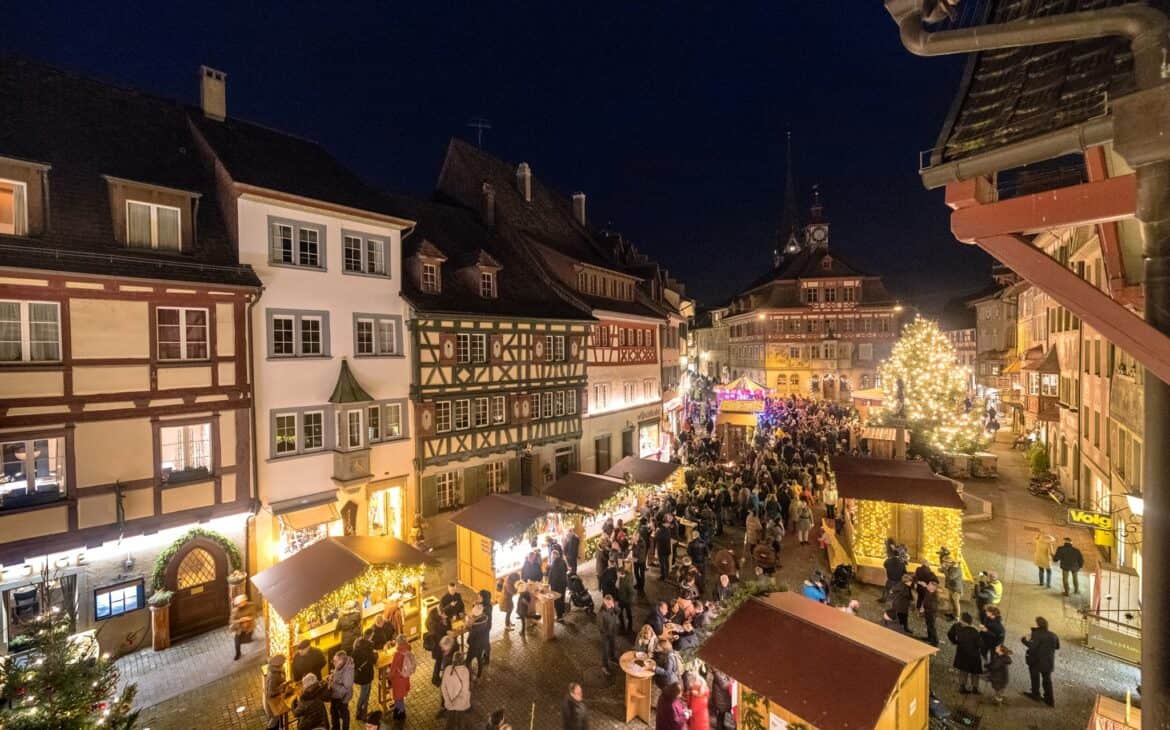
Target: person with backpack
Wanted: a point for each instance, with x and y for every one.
(401, 668)
(455, 688)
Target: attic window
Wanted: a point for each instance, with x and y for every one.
(430, 278)
(487, 284)
(13, 208)
(149, 225)
(827, 263)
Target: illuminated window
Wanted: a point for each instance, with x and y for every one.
(30, 331)
(497, 477)
(118, 599)
(571, 402)
(447, 490)
(152, 226)
(430, 278)
(487, 284)
(32, 467)
(13, 208)
(185, 451)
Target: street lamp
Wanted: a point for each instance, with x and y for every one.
(1137, 505)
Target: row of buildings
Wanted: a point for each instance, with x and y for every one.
(207, 322)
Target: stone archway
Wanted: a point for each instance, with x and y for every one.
(197, 574)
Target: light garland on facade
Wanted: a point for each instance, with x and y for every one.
(873, 526)
(942, 527)
(933, 390)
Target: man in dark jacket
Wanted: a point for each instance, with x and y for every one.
(574, 716)
(900, 600)
(663, 546)
(308, 660)
(1070, 561)
(364, 662)
(930, 611)
(608, 624)
(451, 604)
(895, 569)
(309, 708)
(657, 618)
(923, 575)
(558, 581)
(572, 545)
(1041, 660)
(965, 637)
(638, 551)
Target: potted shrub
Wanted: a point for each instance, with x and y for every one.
(235, 581)
(160, 619)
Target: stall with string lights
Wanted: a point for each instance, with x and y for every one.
(903, 500)
(305, 592)
(740, 404)
(494, 535)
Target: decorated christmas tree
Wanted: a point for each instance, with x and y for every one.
(926, 388)
(62, 683)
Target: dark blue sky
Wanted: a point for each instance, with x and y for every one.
(671, 119)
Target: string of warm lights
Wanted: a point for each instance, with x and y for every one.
(933, 390)
(874, 523)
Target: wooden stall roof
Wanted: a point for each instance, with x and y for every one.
(894, 480)
(585, 490)
(302, 579)
(884, 433)
(858, 660)
(502, 516)
(642, 471)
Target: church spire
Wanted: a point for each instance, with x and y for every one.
(788, 232)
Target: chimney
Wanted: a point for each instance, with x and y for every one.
(579, 207)
(213, 92)
(524, 181)
(489, 205)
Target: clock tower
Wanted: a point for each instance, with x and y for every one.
(816, 233)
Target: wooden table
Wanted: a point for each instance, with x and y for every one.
(546, 601)
(639, 671)
(382, 671)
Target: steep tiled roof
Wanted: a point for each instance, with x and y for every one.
(267, 158)
(84, 129)
(548, 217)
(523, 289)
(1012, 94)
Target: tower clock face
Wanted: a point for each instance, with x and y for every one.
(820, 234)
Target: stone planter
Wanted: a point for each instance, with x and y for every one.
(237, 584)
(160, 626)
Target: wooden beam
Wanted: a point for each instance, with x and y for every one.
(1116, 323)
(1079, 205)
(1096, 164)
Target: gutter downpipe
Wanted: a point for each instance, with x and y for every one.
(1146, 30)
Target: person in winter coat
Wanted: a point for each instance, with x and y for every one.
(558, 581)
(953, 577)
(349, 623)
(697, 700)
(804, 521)
(400, 667)
(900, 601)
(753, 532)
(720, 695)
(1041, 660)
(242, 622)
(455, 687)
(638, 553)
(992, 632)
(478, 639)
(365, 661)
(340, 690)
(531, 570)
(922, 575)
(625, 599)
(273, 687)
(667, 666)
(394, 620)
(523, 608)
(382, 632)
(1070, 561)
(308, 660)
(309, 708)
(929, 611)
(436, 633)
(663, 547)
(508, 598)
(895, 568)
(965, 637)
(647, 640)
(572, 548)
(671, 713)
(608, 625)
(1042, 557)
(831, 497)
(997, 670)
(574, 715)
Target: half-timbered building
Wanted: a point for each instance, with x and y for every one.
(329, 346)
(498, 359)
(125, 390)
(623, 408)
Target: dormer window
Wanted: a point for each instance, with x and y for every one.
(13, 208)
(430, 278)
(487, 284)
(827, 263)
(149, 225)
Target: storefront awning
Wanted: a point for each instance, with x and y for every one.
(305, 517)
(585, 490)
(866, 660)
(893, 480)
(642, 471)
(502, 517)
(302, 579)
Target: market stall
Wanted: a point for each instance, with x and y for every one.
(305, 592)
(867, 401)
(901, 499)
(885, 442)
(649, 472)
(885, 675)
(598, 496)
(740, 404)
(495, 534)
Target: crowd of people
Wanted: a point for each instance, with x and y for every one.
(775, 491)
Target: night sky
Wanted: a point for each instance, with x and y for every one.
(672, 120)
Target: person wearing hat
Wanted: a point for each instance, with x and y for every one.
(242, 622)
(309, 708)
(1070, 561)
(274, 682)
(308, 660)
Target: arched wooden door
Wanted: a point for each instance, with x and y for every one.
(198, 576)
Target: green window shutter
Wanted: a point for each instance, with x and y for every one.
(514, 475)
(474, 484)
(428, 497)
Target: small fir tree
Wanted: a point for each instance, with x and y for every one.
(924, 385)
(61, 684)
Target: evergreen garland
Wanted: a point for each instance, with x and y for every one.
(62, 684)
(159, 574)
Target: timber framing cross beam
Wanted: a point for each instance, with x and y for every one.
(998, 228)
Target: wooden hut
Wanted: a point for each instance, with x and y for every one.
(490, 536)
(867, 676)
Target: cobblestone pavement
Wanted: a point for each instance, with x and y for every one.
(529, 679)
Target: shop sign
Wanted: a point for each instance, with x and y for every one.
(58, 561)
(1123, 645)
(1085, 518)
